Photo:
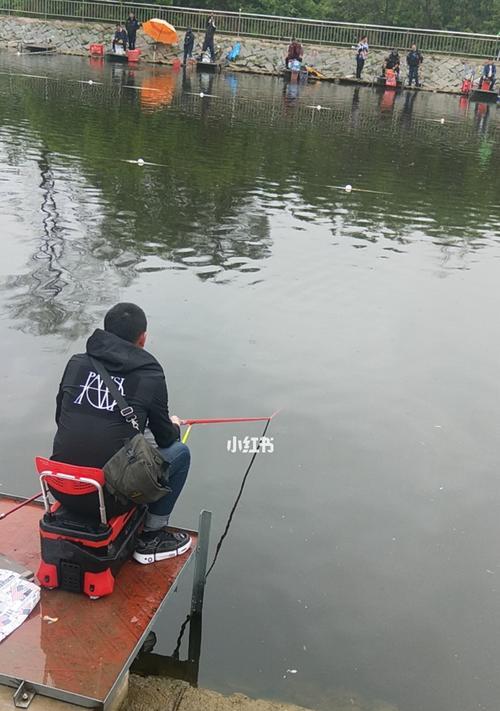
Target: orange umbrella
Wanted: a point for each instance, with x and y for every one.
(161, 31)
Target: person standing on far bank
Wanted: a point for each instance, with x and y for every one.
(131, 25)
(361, 55)
(188, 45)
(208, 42)
(414, 59)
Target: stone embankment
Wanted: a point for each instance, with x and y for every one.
(439, 72)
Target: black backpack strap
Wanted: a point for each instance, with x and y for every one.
(126, 411)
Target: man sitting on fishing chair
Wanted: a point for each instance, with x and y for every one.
(120, 40)
(392, 62)
(295, 51)
(90, 428)
(489, 74)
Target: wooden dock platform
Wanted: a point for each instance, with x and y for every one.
(39, 49)
(213, 67)
(79, 650)
(484, 95)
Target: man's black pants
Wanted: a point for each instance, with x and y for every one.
(209, 44)
(413, 74)
(360, 63)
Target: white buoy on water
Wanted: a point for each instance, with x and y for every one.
(140, 161)
(348, 188)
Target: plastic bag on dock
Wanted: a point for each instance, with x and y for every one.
(18, 598)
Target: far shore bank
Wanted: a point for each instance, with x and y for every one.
(439, 73)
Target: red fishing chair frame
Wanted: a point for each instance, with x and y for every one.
(390, 77)
(94, 552)
(467, 86)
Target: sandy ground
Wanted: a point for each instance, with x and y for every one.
(155, 694)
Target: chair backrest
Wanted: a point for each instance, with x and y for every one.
(73, 487)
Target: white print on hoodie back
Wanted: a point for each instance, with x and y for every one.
(97, 394)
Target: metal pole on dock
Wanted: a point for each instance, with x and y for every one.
(239, 23)
(200, 565)
(199, 580)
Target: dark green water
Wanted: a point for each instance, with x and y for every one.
(365, 553)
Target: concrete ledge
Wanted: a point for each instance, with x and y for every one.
(43, 703)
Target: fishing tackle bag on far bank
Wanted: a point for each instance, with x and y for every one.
(137, 472)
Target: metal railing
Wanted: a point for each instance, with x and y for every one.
(340, 34)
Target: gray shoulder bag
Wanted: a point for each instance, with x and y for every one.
(137, 472)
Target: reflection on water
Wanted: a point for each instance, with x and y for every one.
(364, 552)
(208, 208)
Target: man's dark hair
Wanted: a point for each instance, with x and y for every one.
(127, 321)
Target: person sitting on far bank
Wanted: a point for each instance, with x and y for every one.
(131, 25)
(120, 39)
(488, 74)
(91, 429)
(414, 59)
(188, 45)
(361, 55)
(208, 42)
(392, 61)
(295, 52)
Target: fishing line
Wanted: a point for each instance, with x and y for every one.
(318, 107)
(175, 653)
(201, 94)
(235, 505)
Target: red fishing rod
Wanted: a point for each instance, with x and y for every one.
(211, 421)
(221, 420)
(20, 506)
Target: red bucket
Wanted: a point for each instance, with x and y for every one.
(97, 50)
(133, 55)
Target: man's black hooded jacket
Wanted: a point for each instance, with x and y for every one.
(90, 427)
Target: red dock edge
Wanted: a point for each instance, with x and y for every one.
(75, 649)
